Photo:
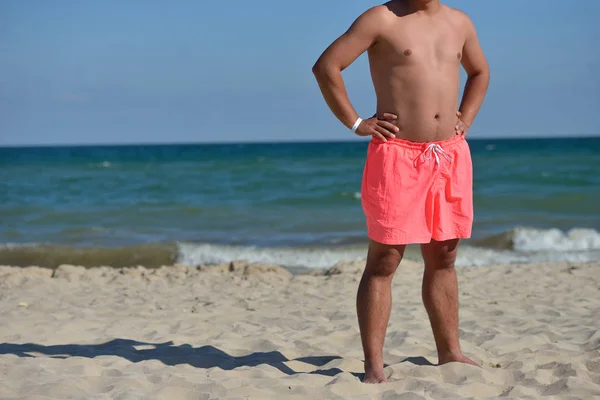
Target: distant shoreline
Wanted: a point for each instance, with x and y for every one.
(157, 144)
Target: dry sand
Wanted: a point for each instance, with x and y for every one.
(237, 332)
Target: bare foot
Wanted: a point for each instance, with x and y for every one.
(374, 375)
(460, 358)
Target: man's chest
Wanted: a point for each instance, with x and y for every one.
(417, 46)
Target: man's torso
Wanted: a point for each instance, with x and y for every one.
(415, 67)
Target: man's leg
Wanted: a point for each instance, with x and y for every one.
(440, 297)
(373, 304)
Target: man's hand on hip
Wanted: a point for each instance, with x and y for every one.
(461, 126)
(379, 127)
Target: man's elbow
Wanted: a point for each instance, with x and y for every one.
(482, 72)
(323, 69)
(318, 69)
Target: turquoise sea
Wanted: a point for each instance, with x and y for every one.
(296, 204)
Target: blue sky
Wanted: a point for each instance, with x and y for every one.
(113, 71)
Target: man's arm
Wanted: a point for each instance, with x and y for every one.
(478, 73)
(363, 34)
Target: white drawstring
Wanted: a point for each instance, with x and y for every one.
(436, 150)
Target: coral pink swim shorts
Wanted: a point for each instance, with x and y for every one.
(414, 192)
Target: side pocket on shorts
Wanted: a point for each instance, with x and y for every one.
(364, 183)
(372, 176)
(461, 177)
(465, 179)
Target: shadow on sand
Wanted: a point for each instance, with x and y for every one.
(169, 354)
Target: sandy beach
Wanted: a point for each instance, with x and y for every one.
(239, 331)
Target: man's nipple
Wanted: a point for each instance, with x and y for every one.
(407, 52)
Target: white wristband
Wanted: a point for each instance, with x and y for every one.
(356, 124)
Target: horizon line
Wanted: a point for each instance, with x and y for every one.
(311, 141)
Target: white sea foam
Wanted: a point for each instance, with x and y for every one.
(356, 195)
(478, 256)
(524, 245)
(577, 239)
(528, 246)
(10, 245)
(198, 254)
(103, 164)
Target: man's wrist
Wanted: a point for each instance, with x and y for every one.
(356, 124)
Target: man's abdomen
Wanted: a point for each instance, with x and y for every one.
(425, 103)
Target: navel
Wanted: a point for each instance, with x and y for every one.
(407, 52)
(436, 116)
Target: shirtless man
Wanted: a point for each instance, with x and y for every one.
(417, 181)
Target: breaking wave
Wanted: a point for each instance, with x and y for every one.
(516, 246)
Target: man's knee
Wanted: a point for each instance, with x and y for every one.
(383, 261)
(440, 254)
(444, 260)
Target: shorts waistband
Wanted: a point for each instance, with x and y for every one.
(420, 145)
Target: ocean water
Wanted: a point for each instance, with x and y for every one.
(295, 204)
